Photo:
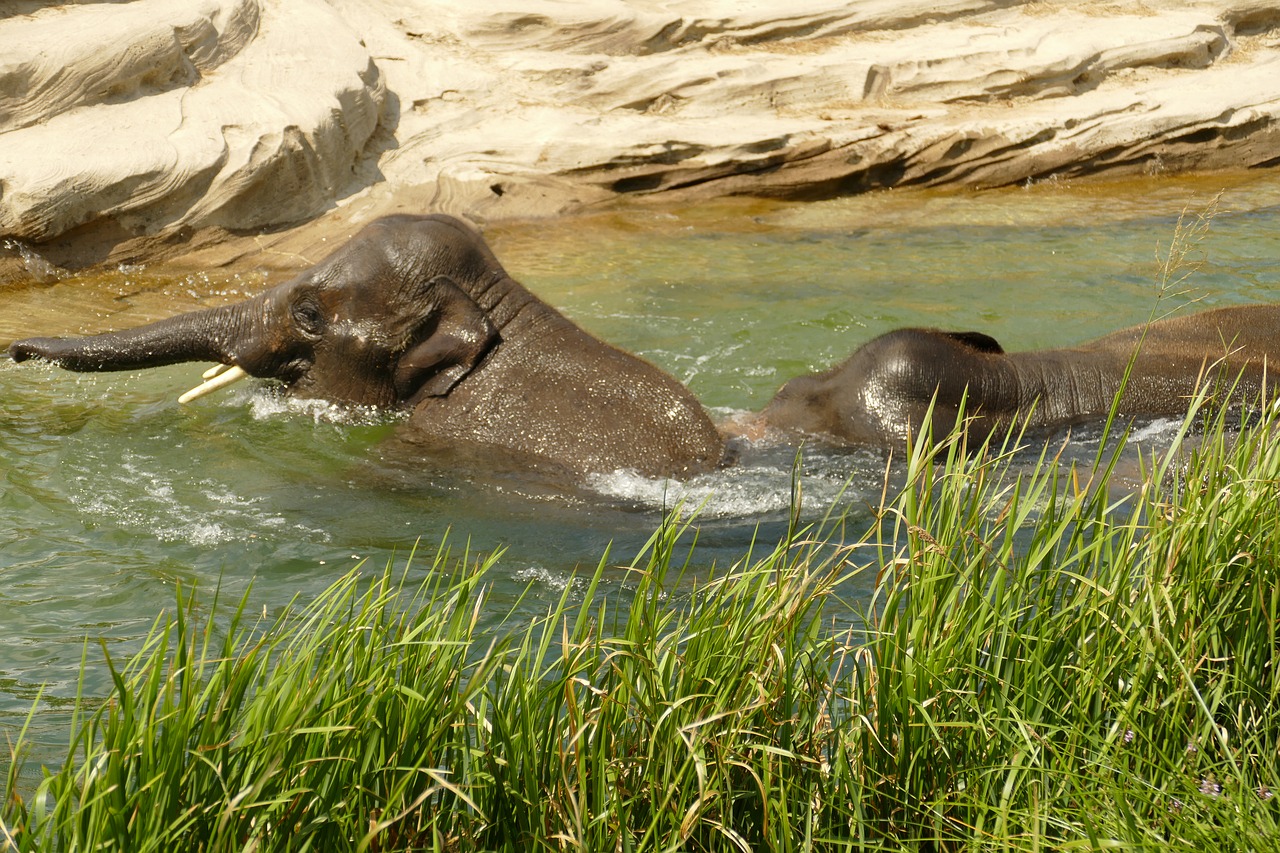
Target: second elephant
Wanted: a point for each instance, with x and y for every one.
(891, 385)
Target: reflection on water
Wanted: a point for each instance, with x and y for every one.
(113, 495)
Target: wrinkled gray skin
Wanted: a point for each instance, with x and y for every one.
(416, 312)
(883, 391)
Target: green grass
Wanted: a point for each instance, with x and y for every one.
(1047, 662)
(1044, 665)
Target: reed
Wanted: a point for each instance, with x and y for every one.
(1044, 664)
(1054, 666)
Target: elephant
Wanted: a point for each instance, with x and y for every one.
(905, 380)
(416, 313)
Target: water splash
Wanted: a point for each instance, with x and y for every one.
(267, 402)
(140, 492)
(761, 484)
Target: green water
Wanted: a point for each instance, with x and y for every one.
(113, 494)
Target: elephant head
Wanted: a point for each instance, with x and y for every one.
(378, 323)
(416, 312)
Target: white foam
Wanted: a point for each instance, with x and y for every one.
(1159, 429)
(266, 404)
(139, 493)
(740, 491)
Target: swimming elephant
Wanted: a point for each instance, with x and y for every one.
(416, 312)
(884, 390)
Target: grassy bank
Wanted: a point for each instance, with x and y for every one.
(1043, 666)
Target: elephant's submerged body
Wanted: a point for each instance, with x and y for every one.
(597, 409)
(893, 384)
(415, 312)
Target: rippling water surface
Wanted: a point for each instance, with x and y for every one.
(111, 494)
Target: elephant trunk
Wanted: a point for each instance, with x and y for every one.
(197, 336)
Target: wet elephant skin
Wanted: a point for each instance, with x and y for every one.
(891, 385)
(416, 312)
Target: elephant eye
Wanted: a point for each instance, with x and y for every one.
(308, 317)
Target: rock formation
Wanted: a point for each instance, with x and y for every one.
(131, 126)
(160, 115)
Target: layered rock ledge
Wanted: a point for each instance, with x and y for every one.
(140, 128)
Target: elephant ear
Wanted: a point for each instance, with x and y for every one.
(978, 341)
(454, 344)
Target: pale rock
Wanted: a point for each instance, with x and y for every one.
(157, 115)
(137, 123)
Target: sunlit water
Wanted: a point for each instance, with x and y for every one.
(113, 494)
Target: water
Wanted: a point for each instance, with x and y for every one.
(112, 495)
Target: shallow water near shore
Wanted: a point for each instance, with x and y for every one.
(113, 495)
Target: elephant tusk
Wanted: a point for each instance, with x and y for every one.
(214, 371)
(214, 379)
